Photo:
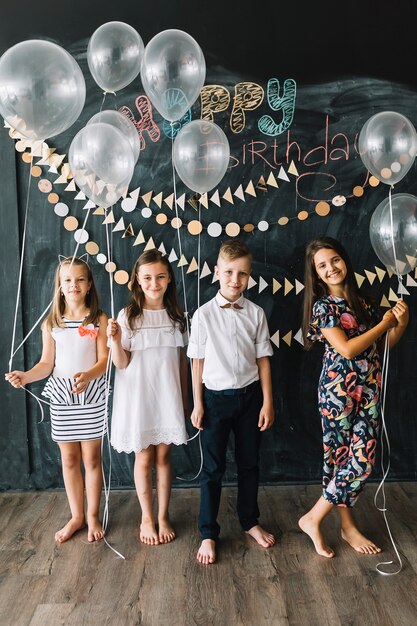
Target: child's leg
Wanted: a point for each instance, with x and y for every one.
(91, 456)
(163, 467)
(143, 482)
(310, 523)
(247, 442)
(351, 534)
(74, 487)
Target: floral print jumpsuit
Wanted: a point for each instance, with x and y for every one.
(349, 391)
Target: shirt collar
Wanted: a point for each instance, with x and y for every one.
(222, 301)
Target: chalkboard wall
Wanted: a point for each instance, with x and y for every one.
(285, 161)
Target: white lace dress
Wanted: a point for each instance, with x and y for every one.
(147, 401)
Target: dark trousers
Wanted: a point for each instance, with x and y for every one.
(236, 410)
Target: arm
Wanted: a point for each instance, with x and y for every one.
(198, 410)
(184, 380)
(42, 369)
(266, 415)
(120, 356)
(349, 348)
(81, 379)
(401, 313)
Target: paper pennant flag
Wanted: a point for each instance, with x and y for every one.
(282, 175)
(61, 180)
(239, 193)
(262, 284)
(275, 339)
(53, 170)
(150, 245)
(298, 287)
(147, 198)
(402, 290)
(271, 180)
(204, 200)
(172, 256)
(119, 226)
(250, 190)
(89, 205)
(384, 302)
(109, 219)
(359, 279)
(380, 273)
(129, 232)
(228, 195)
(162, 249)
(275, 285)
(389, 272)
(158, 199)
(193, 266)
(215, 198)
(57, 159)
(193, 201)
(292, 169)
(169, 201)
(206, 271)
(71, 186)
(215, 279)
(392, 296)
(370, 276)
(99, 211)
(262, 184)
(135, 195)
(410, 282)
(299, 336)
(287, 287)
(181, 201)
(139, 239)
(288, 338)
(251, 282)
(182, 262)
(412, 260)
(80, 196)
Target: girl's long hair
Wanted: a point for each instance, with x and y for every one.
(314, 288)
(135, 307)
(57, 310)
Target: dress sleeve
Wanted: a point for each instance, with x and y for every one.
(198, 337)
(127, 333)
(325, 315)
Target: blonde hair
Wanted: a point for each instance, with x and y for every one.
(234, 249)
(57, 310)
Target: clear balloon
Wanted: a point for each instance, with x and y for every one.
(42, 89)
(201, 155)
(173, 72)
(394, 238)
(114, 55)
(122, 123)
(388, 146)
(101, 161)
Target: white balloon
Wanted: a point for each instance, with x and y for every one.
(122, 123)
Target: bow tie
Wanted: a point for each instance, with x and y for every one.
(231, 305)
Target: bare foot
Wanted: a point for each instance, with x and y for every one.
(69, 529)
(95, 529)
(310, 527)
(148, 534)
(166, 531)
(207, 552)
(261, 536)
(358, 542)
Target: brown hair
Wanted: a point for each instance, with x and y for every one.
(234, 249)
(57, 310)
(135, 307)
(314, 288)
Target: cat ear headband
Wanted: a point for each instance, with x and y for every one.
(82, 257)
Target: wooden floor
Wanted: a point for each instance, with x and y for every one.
(75, 583)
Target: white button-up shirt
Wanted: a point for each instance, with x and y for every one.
(229, 340)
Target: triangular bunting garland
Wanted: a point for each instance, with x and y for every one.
(80, 196)
(410, 282)
(261, 184)
(119, 226)
(299, 336)
(147, 198)
(239, 193)
(181, 201)
(275, 285)
(359, 279)
(129, 232)
(271, 180)
(169, 201)
(380, 273)
(288, 338)
(193, 266)
(182, 262)
(135, 195)
(384, 302)
(282, 175)
(158, 199)
(71, 186)
(250, 190)
(150, 245)
(139, 239)
(99, 211)
(109, 219)
(402, 290)
(205, 271)
(204, 200)
(262, 284)
(292, 169)
(172, 256)
(193, 201)
(228, 195)
(370, 276)
(162, 249)
(392, 296)
(251, 282)
(216, 198)
(275, 339)
(287, 287)
(298, 287)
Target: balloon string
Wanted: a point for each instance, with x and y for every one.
(385, 471)
(47, 308)
(399, 276)
(185, 293)
(22, 254)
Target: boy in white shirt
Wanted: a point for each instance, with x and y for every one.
(230, 348)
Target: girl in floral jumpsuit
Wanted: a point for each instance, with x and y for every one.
(336, 314)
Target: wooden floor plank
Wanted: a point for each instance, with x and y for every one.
(82, 584)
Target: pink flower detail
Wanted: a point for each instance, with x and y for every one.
(348, 321)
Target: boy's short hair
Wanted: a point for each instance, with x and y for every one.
(234, 249)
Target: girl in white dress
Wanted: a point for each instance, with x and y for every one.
(150, 389)
(75, 352)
